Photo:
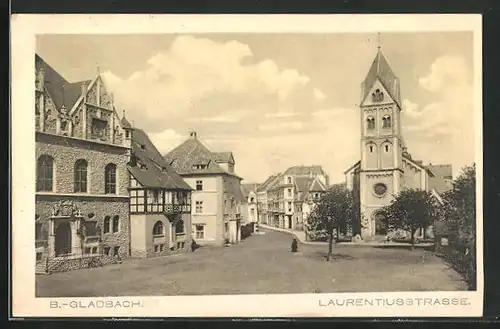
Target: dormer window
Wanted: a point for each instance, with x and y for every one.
(143, 146)
(386, 121)
(143, 166)
(200, 166)
(370, 123)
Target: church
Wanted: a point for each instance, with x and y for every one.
(386, 167)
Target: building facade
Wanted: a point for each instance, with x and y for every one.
(386, 167)
(217, 196)
(82, 152)
(289, 195)
(160, 201)
(250, 205)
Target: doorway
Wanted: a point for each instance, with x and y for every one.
(63, 239)
(380, 224)
(289, 221)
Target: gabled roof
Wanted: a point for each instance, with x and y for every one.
(304, 170)
(442, 180)
(269, 180)
(60, 90)
(155, 171)
(185, 157)
(357, 164)
(418, 164)
(317, 186)
(125, 123)
(382, 71)
(302, 185)
(249, 187)
(223, 157)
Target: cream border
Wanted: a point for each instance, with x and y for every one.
(24, 28)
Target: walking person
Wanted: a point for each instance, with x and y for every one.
(295, 246)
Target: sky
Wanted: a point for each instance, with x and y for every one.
(279, 100)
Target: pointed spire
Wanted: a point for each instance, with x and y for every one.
(125, 123)
(98, 68)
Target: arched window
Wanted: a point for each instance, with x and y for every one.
(116, 223)
(370, 122)
(107, 224)
(179, 227)
(110, 179)
(370, 148)
(158, 228)
(386, 121)
(81, 176)
(386, 147)
(44, 173)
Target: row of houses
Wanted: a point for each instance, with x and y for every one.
(102, 187)
(286, 199)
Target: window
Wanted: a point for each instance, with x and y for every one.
(289, 180)
(386, 121)
(386, 147)
(110, 179)
(87, 250)
(81, 176)
(107, 224)
(44, 173)
(155, 200)
(226, 227)
(200, 166)
(179, 227)
(252, 199)
(199, 231)
(137, 201)
(380, 189)
(199, 185)
(371, 148)
(289, 206)
(199, 207)
(370, 123)
(116, 224)
(157, 247)
(106, 250)
(38, 231)
(116, 251)
(158, 228)
(38, 256)
(377, 96)
(289, 192)
(94, 250)
(98, 128)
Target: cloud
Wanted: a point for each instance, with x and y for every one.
(166, 140)
(280, 126)
(411, 109)
(318, 94)
(175, 81)
(443, 130)
(280, 114)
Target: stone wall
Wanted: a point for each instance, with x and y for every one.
(99, 207)
(66, 151)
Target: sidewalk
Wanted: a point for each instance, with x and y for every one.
(301, 237)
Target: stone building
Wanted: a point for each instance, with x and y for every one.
(386, 167)
(264, 214)
(217, 195)
(160, 201)
(82, 151)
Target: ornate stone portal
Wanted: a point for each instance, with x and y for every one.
(64, 229)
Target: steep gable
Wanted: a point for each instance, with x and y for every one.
(380, 71)
(149, 167)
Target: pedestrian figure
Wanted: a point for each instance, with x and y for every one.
(294, 245)
(193, 246)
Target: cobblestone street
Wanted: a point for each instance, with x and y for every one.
(260, 264)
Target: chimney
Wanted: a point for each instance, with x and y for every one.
(192, 134)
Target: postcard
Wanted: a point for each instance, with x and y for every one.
(262, 166)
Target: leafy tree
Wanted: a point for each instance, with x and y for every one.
(331, 213)
(410, 210)
(459, 212)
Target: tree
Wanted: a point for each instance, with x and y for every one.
(331, 213)
(459, 212)
(410, 210)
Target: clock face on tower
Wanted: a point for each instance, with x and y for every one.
(379, 189)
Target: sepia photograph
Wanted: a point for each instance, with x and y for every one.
(338, 165)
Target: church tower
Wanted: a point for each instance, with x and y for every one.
(381, 168)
